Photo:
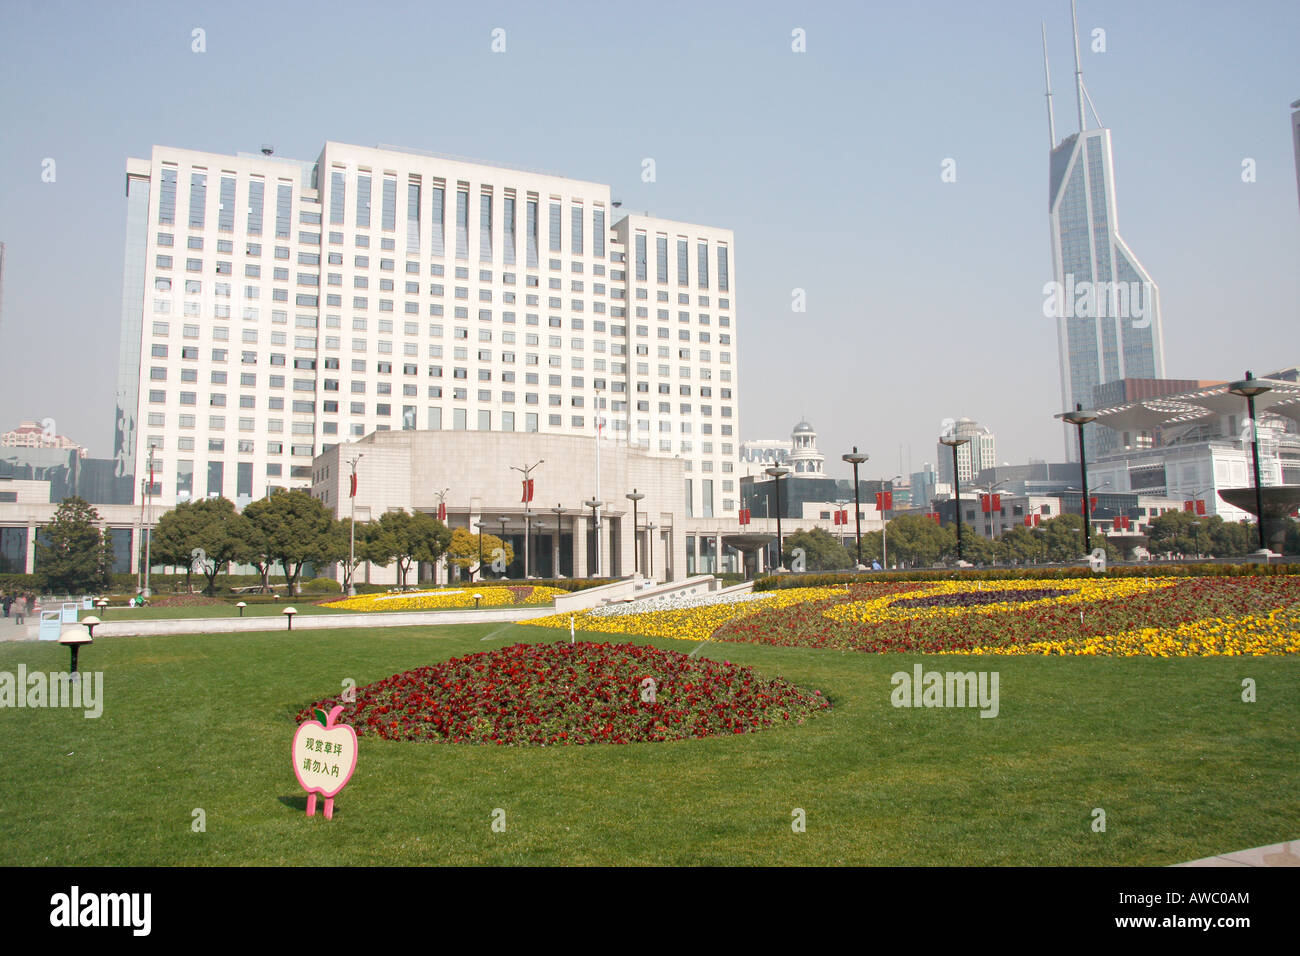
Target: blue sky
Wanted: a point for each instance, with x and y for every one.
(924, 298)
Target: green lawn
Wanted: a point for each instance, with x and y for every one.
(1182, 767)
(302, 605)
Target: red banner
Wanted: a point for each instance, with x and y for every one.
(884, 501)
(1200, 507)
(990, 503)
(353, 492)
(442, 511)
(1188, 504)
(744, 516)
(528, 490)
(933, 516)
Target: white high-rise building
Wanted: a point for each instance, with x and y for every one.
(274, 307)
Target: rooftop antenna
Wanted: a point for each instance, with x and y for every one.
(1078, 69)
(1047, 71)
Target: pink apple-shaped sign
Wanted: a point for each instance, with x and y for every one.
(324, 756)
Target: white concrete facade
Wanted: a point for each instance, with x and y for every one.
(409, 470)
(288, 306)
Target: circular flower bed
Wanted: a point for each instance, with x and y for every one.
(581, 693)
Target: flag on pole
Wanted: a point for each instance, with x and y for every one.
(353, 492)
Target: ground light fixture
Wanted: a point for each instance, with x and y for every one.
(1080, 417)
(952, 442)
(241, 605)
(856, 458)
(289, 612)
(75, 637)
(1248, 389)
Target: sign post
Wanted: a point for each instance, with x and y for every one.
(324, 757)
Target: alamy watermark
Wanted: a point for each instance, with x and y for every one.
(1099, 300)
(83, 690)
(952, 689)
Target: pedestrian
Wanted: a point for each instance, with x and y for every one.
(7, 601)
(30, 600)
(20, 610)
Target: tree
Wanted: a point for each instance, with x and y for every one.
(975, 548)
(172, 540)
(822, 551)
(462, 552)
(216, 539)
(289, 528)
(1019, 545)
(346, 552)
(1062, 538)
(917, 540)
(406, 538)
(72, 554)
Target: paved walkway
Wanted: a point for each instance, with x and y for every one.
(1275, 854)
(9, 631)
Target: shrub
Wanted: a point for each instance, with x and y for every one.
(775, 583)
(321, 586)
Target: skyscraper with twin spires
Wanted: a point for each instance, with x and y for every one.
(1106, 304)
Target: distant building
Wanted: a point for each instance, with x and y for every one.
(977, 453)
(38, 434)
(1106, 305)
(1202, 443)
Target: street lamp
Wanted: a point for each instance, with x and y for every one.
(778, 472)
(352, 529)
(989, 487)
(634, 497)
(528, 499)
(148, 524)
(595, 505)
(1079, 417)
(1248, 389)
(854, 458)
(952, 443)
(839, 506)
(884, 522)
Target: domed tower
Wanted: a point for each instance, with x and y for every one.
(805, 459)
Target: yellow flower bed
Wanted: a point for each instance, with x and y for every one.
(687, 624)
(1253, 635)
(875, 610)
(437, 600)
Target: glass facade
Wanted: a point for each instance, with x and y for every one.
(1108, 306)
(128, 358)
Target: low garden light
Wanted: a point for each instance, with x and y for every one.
(74, 637)
(241, 605)
(477, 598)
(102, 604)
(289, 612)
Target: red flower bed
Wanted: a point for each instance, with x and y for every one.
(581, 693)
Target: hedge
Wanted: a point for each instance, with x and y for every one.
(775, 582)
